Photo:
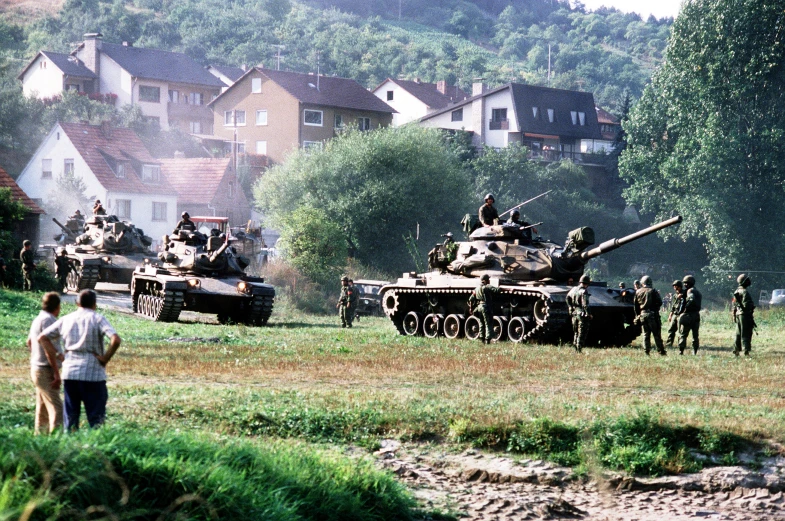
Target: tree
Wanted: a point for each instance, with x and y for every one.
(706, 138)
(377, 186)
(11, 211)
(314, 245)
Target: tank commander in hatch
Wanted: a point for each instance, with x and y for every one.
(184, 224)
(515, 218)
(488, 214)
(98, 208)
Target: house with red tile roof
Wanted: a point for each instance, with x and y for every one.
(29, 227)
(115, 167)
(414, 99)
(207, 186)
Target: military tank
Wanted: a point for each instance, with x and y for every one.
(72, 229)
(202, 274)
(534, 277)
(107, 251)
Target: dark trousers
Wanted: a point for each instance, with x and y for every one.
(92, 394)
(743, 334)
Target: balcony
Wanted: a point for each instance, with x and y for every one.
(501, 124)
(186, 111)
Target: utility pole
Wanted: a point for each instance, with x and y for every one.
(278, 59)
(399, 9)
(549, 65)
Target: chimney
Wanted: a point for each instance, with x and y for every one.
(416, 80)
(91, 53)
(127, 44)
(478, 87)
(441, 86)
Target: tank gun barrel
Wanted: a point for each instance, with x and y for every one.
(612, 244)
(217, 253)
(65, 230)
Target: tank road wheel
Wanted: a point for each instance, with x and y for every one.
(499, 328)
(453, 326)
(258, 313)
(164, 308)
(541, 311)
(82, 277)
(390, 302)
(472, 328)
(517, 329)
(432, 325)
(412, 323)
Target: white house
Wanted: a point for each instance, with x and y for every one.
(414, 99)
(170, 88)
(115, 167)
(552, 123)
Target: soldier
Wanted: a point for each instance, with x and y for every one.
(481, 304)
(676, 309)
(578, 305)
(345, 303)
(647, 310)
(690, 318)
(28, 265)
(488, 214)
(184, 224)
(62, 267)
(743, 309)
(636, 285)
(98, 208)
(515, 218)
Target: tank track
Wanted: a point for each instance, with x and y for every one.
(83, 277)
(260, 310)
(161, 309)
(552, 315)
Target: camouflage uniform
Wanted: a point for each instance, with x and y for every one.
(647, 309)
(62, 267)
(690, 320)
(347, 303)
(525, 234)
(185, 224)
(481, 303)
(743, 309)
(676, 308)
(578, 304)
(488, 215)
(28, 266)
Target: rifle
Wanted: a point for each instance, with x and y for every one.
(525, 202)
(530, 226)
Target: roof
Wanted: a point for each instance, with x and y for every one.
(155, 64)
(605, 117)
(17, 194)
(429, 93)
(95, 143)
(195, 180)
(69, 65)
(333, 91)
(233, 73)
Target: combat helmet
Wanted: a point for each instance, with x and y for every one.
(744, 280)
(344, 279)
(485, 278)
(489, 196)
(646, 281)
(688, 280)
(678, 284)
(185, 215)
(585, 279)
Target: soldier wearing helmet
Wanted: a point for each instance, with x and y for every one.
(690, 317)
(62, 267)
(647, 312)
(578, 305)
(347, 302)
(481, 304)
(743, 309)
(27, 257)
(676, 308)
(488, 214)
(184, 224)
(515, 219)
(98, 208)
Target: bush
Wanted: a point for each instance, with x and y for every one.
(302, 292)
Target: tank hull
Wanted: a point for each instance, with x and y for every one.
(436, 304)
(90, 268)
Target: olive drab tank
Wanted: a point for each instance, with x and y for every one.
(534, 277)
(106, 250)
(204, 274)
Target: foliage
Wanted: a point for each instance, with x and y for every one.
(707, 144)
(376, 187)
(141, 475)
(11, 212)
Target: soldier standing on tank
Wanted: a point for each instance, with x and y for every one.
(98, 208)
(62, 267)
(184, 224)
(647, 311)
(28, 264)
(743, 309)
(578, 305)
(675, 309)
(481, 304)
(488, 214)
(690, 318)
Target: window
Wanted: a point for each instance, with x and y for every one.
(313, 118)
(457, 115)
(261, 117)
(72, 86)
(174, 96)
(196, 98)
(256, 85)
(159, 211)
(241, 148)
(149, 94)
(308, 145)
(364, 123)
(338, 121)
(535, 111)
(120, 170)
(239, 118)
(582, 118)
(574, 116)
(46, 169)
(498, 114)
(231, 186)
(123, 209)
(550, 115)
(390, 95)
(196, 127)
(228, 120)
(151, 173)
(261, 148)
(68, 167)
(498, 120)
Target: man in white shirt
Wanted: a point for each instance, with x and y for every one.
(44, 368)
(84, 368)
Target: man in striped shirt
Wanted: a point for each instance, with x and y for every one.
(84, 368)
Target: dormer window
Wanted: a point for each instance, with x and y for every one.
(574, 115)
(550, 115)
(535, 112)
(151, 173)
(121, 168)
(582, 118)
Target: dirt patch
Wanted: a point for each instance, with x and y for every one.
(483, 487)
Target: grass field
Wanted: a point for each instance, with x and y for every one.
(304, 377)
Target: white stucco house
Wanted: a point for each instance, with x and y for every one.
(169, 87)
(414, 99)
(115, 167)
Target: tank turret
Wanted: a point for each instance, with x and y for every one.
(108, 234)
(194, 253)
(71, 231)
